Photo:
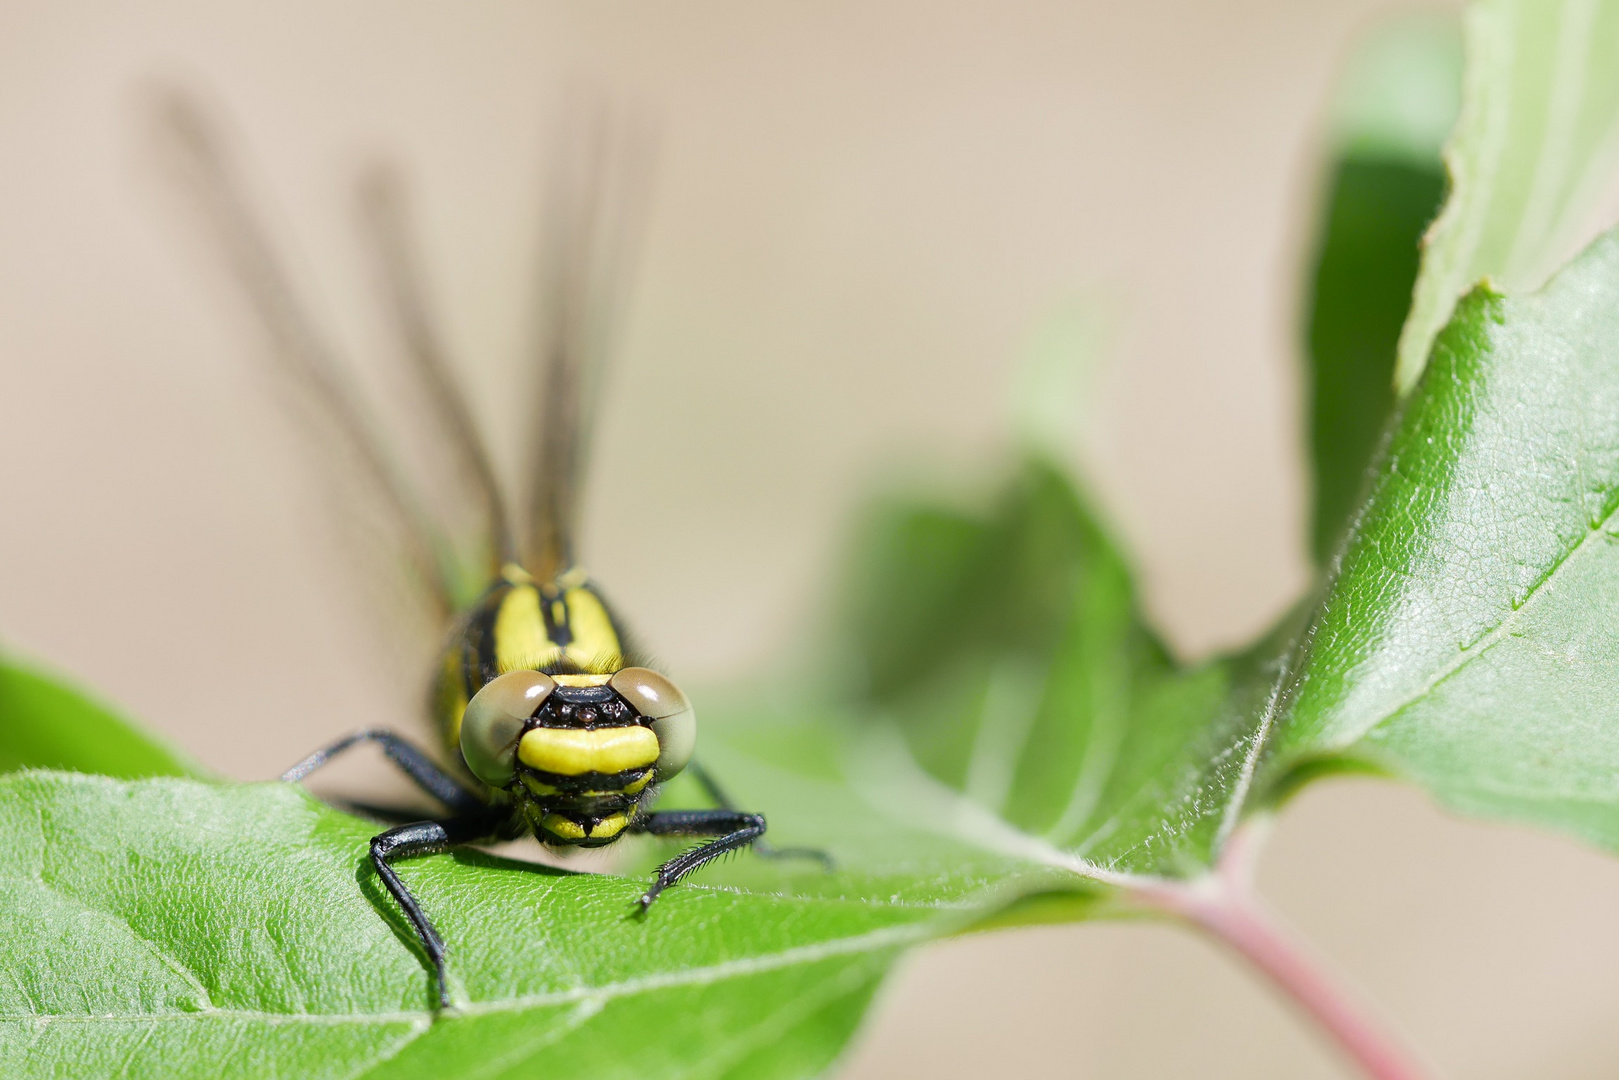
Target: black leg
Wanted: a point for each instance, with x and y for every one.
(712, 789)
(411, 761)
(424, 838)
(733, 829)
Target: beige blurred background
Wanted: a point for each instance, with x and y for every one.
(863, 215)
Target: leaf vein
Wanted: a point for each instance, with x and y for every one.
(873, 941)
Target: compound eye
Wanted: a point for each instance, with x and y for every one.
(494, 722)
(671, 718)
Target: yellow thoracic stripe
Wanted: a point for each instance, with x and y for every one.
(520, 641)
(594, 640)
(569, 829)
(575, 751)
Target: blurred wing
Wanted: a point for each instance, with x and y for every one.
(594, 211)
(302, 356)
(383, 212)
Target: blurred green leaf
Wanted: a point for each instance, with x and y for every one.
(1361, 292)
(1468, 639)
(1052, 384)
(47, 724)
(1533, 148)
(1006, 677)
(1400, 91)
(1396, 102)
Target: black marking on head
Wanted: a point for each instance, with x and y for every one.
(586, 695)
(580, 807)
(573, 707)
(591, 781)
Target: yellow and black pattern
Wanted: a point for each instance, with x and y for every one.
(585, 761)
(553, 726)
(520, 624)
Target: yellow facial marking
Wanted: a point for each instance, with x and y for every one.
(574, 751)
(638, 786)
(567, 828)
(581, 680)
(539, 787)
(610, 826)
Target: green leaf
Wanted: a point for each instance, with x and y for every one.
(1361, 291)
(1400, 91)
(1010, 691)
(47, 724)
(1533, 148)
(1467, 639)
(1396, 102)
(170, 928)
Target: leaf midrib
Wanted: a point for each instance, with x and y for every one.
(742, 967)
(1489, 638)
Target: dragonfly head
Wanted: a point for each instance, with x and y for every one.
(578, 751)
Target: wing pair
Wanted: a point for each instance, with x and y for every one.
(593, 211)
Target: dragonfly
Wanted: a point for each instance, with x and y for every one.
(551, 721)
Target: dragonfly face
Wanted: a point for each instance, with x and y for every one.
(576, 754)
